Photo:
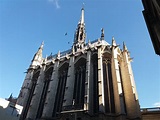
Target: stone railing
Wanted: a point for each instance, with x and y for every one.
(155, 109)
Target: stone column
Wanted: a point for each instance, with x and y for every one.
(51, 94)
(69, 89)
(24, 93)
(32, 112)
(130, 101)
(100, 81)
(134, 87)
(132, 81)
(117, 87)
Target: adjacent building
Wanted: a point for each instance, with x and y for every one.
(9, 110)
(152, 17)
(91, 80)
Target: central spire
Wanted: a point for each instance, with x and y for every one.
(82, 16)
(79, 37)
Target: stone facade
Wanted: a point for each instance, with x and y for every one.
(89, 81)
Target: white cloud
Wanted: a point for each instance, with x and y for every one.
(55, 2)
(157, 104)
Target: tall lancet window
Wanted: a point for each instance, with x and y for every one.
(47, 79)
(94, 69)
(79, 86)
(108, 87)
(63, 71)
(33, 85)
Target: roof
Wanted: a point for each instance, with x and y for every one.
(94, 43)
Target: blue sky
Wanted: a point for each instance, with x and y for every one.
(24, 24)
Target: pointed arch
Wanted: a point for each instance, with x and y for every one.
(94, 60)
(79, 85)
(62, 76)
(47, 79)
(80, 57)
(108, 85)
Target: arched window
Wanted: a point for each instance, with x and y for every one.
(94, 69)
(47, 79)
(108, 87)
(33, 85)
(62, 73)
(79, 85)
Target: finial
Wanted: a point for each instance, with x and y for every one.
(73, 50)
(102, 33)
(113, 38)
(102, 30)
(42, 44)
(124, 47)
(58, 55)
(89, 43)
(113, 41)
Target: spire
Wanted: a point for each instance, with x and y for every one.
(39, 52)
(80, 34)
(10, 97)
(82, 15)
(124, 47)
(37, 59)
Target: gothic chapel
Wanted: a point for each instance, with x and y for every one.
(90, 81)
